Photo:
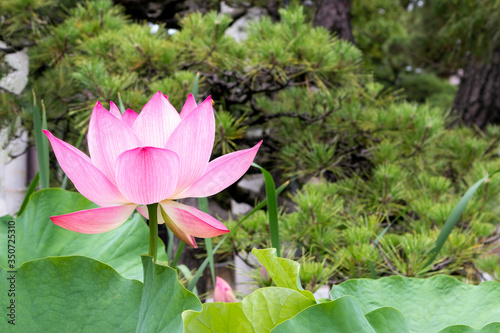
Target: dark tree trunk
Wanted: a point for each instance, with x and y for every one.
(273, 8)
(335, 15)
(165, 11)
(478, 96)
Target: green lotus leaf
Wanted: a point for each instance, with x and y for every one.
(344, 315)
(284, 272)
(80, 294)
(37, 237)
(259, 312)
(491, 328)
(70, 294)
(429, 305)
(163, 299)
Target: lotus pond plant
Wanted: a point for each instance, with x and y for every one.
(139, 161)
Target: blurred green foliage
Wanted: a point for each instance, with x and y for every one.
(418, 171)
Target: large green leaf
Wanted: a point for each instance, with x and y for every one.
(37, 237)
(259, 312)
(491, 328)
(344, 315)
(429, 305)
(163, 299)
(284, 272)
(80, 294)
(387, 320)
(71, 294)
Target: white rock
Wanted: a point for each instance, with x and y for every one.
(238, 208)
(323, 292)
(243, 280)
(238, 29)
(252, 183)
(13, 171)
(15, 81)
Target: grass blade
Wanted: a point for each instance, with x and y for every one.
(452, 220)
(178, 253)
(121, 106)
(45, 142)
(203, 206)
(170, 246)
(195, 85)
(42, 152)
(30, 191)
(185, 271)
(272, 209)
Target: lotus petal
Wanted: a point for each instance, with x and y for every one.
(108, 137)
(223, 291)
(193, 141)
(144, 211)
(156, 122)
(193, 221)
(95, 221)
(87, 178)
(221, 173)
(129, 117)
(189, 106)
(114, 110)
(182, 235)
(146, 175)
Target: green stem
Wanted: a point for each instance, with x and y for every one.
(180, 247)
(153, 230)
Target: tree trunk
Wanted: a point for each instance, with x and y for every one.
(165, 11)
(335, 15)
(478, 96)
(273, 8)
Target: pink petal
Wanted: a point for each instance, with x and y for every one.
(146, 175)
(223, 291)
(192, 221)
(193, 141)
(115, 111)
(88, 180)
(181, 234)
(129, 117)
(189, 106)
(95, 221)
(144, 211)
(221, 173)
(108, 137)
(178, 232)
(264, 275)
(156, 122)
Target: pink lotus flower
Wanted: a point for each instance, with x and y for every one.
(156, 156)
(264, 275)
(223, 291)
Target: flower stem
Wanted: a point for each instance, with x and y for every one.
(153, 230)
